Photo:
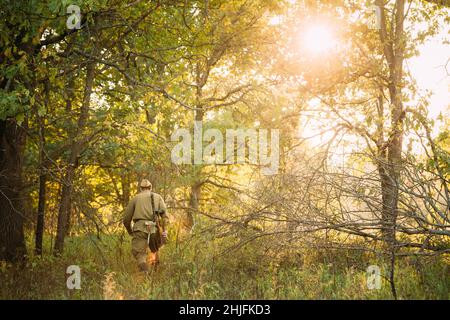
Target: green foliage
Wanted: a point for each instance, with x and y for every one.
(14, 104)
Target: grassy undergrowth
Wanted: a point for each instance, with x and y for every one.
(194, 270)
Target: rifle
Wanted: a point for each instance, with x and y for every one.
(156, 220)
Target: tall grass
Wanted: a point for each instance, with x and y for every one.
(194, 270)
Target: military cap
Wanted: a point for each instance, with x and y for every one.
(145, 184)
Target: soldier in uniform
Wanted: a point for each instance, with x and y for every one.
(146, 220)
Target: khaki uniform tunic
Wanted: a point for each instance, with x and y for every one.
(138, 211)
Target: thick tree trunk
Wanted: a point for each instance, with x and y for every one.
(393, 41)
(75, 150)
(389, 191)
(12, 142)
(394, 50)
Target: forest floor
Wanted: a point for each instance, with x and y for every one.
(194, 270)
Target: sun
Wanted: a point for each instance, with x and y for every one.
(318, 39)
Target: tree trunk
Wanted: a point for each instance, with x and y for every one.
(195, 191)
(125, 181)
(193, 205)
(393, 42)
(12, 143)
(40, 224)
(65, 206)
(43, 163)
(389, 191)
(394, 50)
(75, 150)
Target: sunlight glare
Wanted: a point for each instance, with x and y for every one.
(318, 39)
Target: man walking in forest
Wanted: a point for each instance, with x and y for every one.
(146, 221)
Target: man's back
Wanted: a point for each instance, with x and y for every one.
(143, 206)
(140, 208)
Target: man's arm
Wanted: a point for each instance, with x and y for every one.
(128, 216)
